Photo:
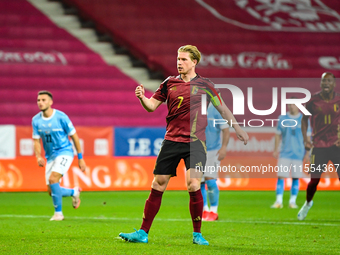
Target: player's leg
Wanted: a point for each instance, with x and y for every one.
(296, 171)
(294, 190)
(64, 163)
(211, 174)
(213, 193)
(205, 200)
(57, 169)
(319, 157)
(279, 193)
(54, 191)
(195, 160)
(151, 208)
(166, 164)
(153, 203)
(283, 166)
(56, 194)
(195, 206)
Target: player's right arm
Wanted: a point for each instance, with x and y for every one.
(227, 115)
(37, 152)
(304, 125)
(276, 146)
(149, 104)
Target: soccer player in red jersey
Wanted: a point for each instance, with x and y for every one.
(184, 138)
(325, 121)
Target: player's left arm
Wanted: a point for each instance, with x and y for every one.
(222, 152)
(81, 161)
(227, 115)
(306, 158)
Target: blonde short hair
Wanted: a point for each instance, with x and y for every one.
(194, 53)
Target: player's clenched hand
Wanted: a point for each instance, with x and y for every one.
(82, 165)
(41, 161)
(140, 91)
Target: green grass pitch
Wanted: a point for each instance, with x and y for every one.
(247, 225)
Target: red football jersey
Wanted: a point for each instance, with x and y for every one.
(325, 120)
(185, 123)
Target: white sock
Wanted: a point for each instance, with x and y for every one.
(279, 198)
(213, 209)
(75, 192)
(61, 213)
(205, 208)
(292, 199)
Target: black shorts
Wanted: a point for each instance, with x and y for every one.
(193, 153)
(320, 158)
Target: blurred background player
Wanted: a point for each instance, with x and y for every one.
(53, 128)
(184, 138)
(291, 155)
(325, 109)
(216, 151)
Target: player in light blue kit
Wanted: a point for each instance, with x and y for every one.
(291, 155)
(216, 151)
(53, 127)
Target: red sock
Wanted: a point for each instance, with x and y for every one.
(196, 209)
(311, 188)
(152, 205)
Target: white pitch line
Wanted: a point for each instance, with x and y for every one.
(302, 223)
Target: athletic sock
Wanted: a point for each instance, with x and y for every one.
(56, 196)
(65, 192)
(294, 191)
(152, 205)
(204, 195)
(311, 188)
(279, 190)
(196, 209)
(213, 193)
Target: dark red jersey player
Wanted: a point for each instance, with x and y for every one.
(325, 121)
(184, 138)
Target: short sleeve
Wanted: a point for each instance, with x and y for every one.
(67, 125)
(213, 94)
(161, 94)
(35, 134)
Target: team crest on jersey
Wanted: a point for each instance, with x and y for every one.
(49, 124)
(276, 15)
(336, 107)
(194, 90)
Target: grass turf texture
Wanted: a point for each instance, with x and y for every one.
(247, 225)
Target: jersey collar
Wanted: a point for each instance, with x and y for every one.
(44, 118)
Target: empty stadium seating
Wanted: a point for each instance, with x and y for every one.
(299, 33)
(36, 55)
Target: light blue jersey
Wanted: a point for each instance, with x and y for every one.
(54, 132)
(292, 146)
(213, 134)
